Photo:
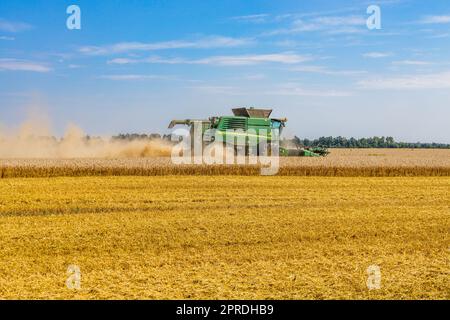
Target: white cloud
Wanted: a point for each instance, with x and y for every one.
(287, 43)
(287, 89)
(377, 55)
(256, 76)
(22, 65)
(345, 30)
(296, 90)
(435, 20)
(127, 77)
(419, 81)
(297, 26)
(222, 90)
(74, 66)
(341, 21)
(330, 24)
(7, 38)
(232, 60)
(252, 18)
(204, 43)
(122, 61)
(285, 58)
(440, 36)
(412, 63)
(13, 26)
(326, 71)
(152, 59)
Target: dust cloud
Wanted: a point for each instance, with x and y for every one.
(33, 138)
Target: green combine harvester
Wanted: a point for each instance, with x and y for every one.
(248, 122)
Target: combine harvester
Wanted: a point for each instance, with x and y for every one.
(247, 121)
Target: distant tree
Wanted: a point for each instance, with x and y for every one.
(371, 142)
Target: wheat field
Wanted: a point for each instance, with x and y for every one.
(341, 162)
(228, 237)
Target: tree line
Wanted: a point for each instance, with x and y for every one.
(328, 142)
(373, 142)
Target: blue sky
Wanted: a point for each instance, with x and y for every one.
(135, 65)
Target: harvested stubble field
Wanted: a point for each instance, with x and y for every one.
(144, 228)
(165, 237)
(341, 162)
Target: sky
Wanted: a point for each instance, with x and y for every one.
(135, 65)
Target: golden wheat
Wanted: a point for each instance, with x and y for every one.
(341, 162)
(224, 237)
